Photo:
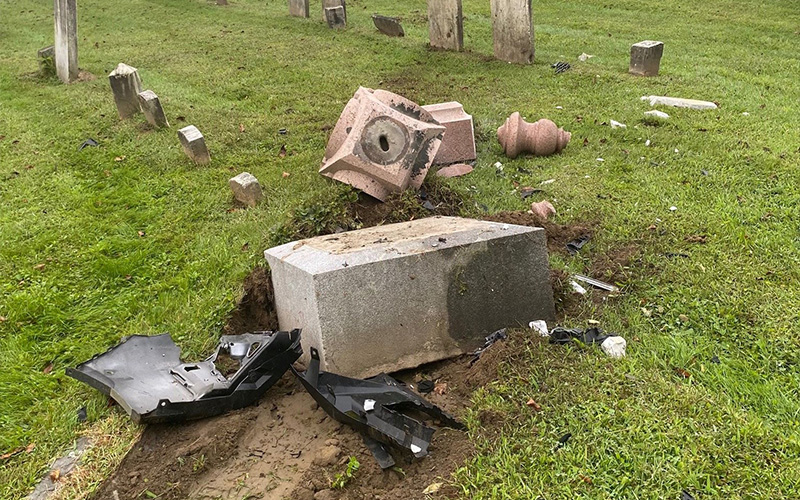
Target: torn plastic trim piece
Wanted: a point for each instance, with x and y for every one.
(144, 374)
(384, 425)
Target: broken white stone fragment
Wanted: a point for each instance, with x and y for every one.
(655, 115)
(678, 102)
(616, 124)
(246, 189)
(540, 327)
(584, 57)
(647, 143)
(614, 346)
(577, 288)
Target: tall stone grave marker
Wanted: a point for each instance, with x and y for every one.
(126, 86)
(512, 27)
(445, 24)
(66, 39)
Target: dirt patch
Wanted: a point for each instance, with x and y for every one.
(256, 310)
(436, 200)
(558, 235)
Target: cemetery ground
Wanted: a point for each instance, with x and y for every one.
(131, 237)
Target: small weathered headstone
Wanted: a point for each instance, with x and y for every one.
(333, 3)
(66, 39)
(126, 86)
(151, 107)
(458, 143)
(299, 8)
(47, 60)
(512, 30)
(335, 17)
(445, 24)
(388, 25)
(646, 58)
(246, 189)
(194, 145)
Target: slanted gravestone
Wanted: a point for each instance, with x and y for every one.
(66, 39)
(47, 61)
(194, 145)
(151, 107)
(335, 17)
(646, 58)
(299, 8)
(388, 25)
(126, 86)
(332, 4)
(246, 189)
(445, 24)
(397, 296)
(512, 29)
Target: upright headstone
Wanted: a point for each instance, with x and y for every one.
(246, 189)
(66, 39)
(445, 24)
(333, 4)
(299, 8)
(126, 85)
(512, 28)
(151, 107)
(646, 58)
(336, 17)
(194, 145)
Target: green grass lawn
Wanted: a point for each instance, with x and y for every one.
(76, 276)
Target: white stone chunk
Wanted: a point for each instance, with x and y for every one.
(678, 102)
(614, 346)
(246, 189)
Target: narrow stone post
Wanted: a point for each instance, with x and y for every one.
(66, 39)
(194, 145)
(445, 24)
(126, 85)
(151, 107)
(512, 28)
(299, 8)
(646, 58)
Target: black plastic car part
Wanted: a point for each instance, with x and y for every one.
(145, 375)
(376, 408)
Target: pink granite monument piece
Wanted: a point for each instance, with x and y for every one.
(458, 143)
(383, 143)
(541, 138)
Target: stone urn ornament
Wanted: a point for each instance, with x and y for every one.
(541, 138)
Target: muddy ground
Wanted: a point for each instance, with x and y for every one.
(287, 447)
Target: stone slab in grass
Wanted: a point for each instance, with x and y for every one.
(397, 296)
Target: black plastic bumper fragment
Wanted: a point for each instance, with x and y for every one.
(375, 407)
(144, 374)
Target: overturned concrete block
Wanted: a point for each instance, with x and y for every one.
(646, 58)
(388, 25)
(246, 189)
(151, 107)
(383, 143)
(397, 296)
(446, 24)
(194, 145)
(126, 86)
(512, 30)
(458, 143)
(299, 8)
(335, 17)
